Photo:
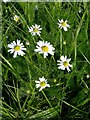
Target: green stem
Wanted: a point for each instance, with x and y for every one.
(46, 98)
(49, 14)
(60, 42)
(31, 63)
(77, 32)
(18, 100)
(25, 103)
(41, 38)
(53, 58)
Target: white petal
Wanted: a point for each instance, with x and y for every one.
(68, 26)
(58, 20)
(21, 44)
(14, 43)
(35, 26)
(59, 24)
(68, 69)
(21, 53)
(48, 85)
(10, 46)
(23, 48)
(18, 42)
(42, 79)
(45, 55)
(61, 27)
(37, 50)
(58, 61)
(15, 54)
(40, 43)
(30, 29)
(44, 87)
(40, 89)
(37, 81)
(66, 21)
(38, 33)
(63, 58)
(61, 67)
(37, 85)
(11, 51)
(40, 29)
(68, 60)
(41, 52)
(51, 52)
(70, 65)
(65, 28)
(60, 64)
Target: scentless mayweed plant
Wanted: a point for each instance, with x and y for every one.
(45, 61)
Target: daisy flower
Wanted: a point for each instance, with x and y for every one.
(16, 48)
(64, 63)
(27, 43)
(63, 24)
(44, 48)
(41, 83)
(16, 18)
(35, 29)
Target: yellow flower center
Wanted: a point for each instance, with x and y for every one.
(45, 48)
(65, 63)
(16, 19)
(43, 83)
(64, 24)
(35, 29)
(17, 48)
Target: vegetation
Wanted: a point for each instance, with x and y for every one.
(68, 97)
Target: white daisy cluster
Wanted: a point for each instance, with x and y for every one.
(42, 47)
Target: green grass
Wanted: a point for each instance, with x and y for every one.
(68, 97)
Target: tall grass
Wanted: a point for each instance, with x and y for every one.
(68, 97)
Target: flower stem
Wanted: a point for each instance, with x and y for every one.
(46, 98)
(60, 42)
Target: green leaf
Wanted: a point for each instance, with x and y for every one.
(44, 115)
